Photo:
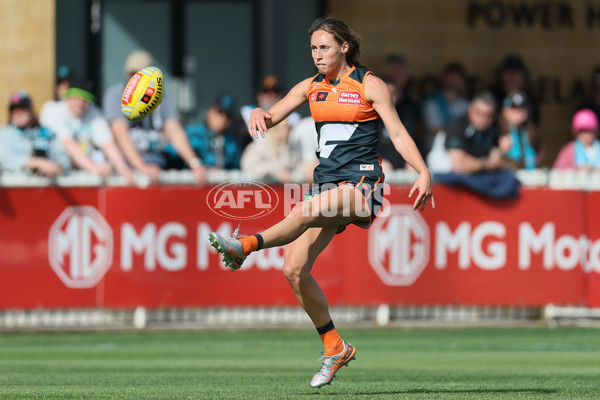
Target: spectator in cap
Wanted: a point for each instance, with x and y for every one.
(270, 92)
(83, 131)
(445, 104)
(27, 146)
(519, 141)
(592, 100)
(135, 61)
(144, 142)
(513, 76)
(216, 141)
(583, 153)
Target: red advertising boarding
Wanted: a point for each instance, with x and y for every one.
(124, 247)
(161, 239)
(27, 278)
(591, 249)
(474, 250)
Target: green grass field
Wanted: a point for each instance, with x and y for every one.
(470, 363)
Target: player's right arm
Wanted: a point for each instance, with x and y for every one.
(261, 120)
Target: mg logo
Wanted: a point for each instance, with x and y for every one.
(80, 247)
(399, 246)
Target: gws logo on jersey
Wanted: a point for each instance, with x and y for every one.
(242, 200)
(318, 96)
(80, 247)
(399, 246)
(349, 97)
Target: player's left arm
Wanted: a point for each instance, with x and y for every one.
(380, 98)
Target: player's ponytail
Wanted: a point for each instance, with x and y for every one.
(342, 33)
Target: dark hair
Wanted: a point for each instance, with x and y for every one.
(395, 58)
(341, 33)
(226, 104)
(455, 67)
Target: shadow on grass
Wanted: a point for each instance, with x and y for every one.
(424, 391)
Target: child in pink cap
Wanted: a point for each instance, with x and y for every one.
(583, 153)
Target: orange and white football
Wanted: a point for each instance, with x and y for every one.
(142, 94)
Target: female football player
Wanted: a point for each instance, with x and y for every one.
(346, 101)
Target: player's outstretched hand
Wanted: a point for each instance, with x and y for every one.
(258, 122)
(423, 185)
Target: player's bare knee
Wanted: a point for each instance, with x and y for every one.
(292, 266)
(291, 271)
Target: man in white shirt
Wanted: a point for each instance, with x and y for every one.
(79, 125)
(143, 142)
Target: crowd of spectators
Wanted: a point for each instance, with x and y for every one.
(481, 140)
(458, 133)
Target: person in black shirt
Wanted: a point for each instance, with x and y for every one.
(472, 140)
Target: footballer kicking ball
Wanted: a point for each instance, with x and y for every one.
(142, 94)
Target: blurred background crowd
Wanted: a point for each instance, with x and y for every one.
(465, 118)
